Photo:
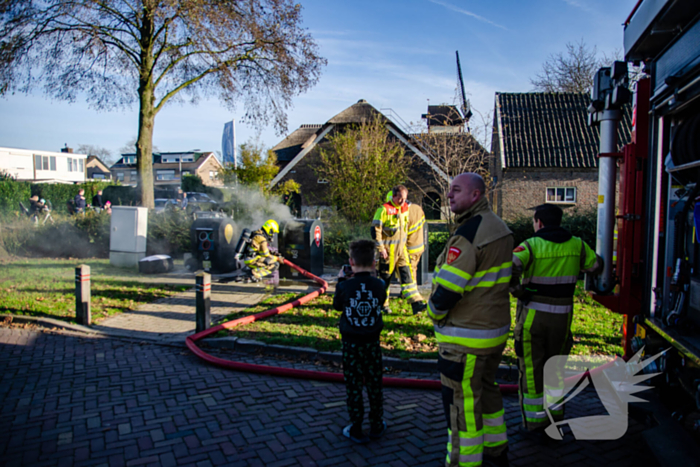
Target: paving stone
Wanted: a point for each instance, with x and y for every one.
(141, 403)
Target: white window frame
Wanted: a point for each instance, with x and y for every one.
(566, 192)
(165, 174)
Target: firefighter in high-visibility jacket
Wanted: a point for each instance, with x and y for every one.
(415, 244)
(258, 257)
(549, 264)
(470, 308)
(389, 230)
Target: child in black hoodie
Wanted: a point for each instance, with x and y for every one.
(360, 298)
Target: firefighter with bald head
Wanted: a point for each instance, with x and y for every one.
(470, 308)
(390, 231)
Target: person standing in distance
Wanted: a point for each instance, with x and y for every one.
(360, 299)
(550, 263)
(470, 308)
(389, 230)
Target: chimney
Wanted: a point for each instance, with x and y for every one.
(67, 149)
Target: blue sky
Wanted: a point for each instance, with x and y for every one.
(394, 54)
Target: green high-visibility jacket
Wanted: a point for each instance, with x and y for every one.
(550, 264)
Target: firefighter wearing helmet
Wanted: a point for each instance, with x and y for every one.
(258, 259)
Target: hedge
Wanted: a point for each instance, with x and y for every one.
(11, 194)
(59, 194)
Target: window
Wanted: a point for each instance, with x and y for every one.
(561, 195)
(133, 175)
(52, 163)
(98, 176)
(212, 175)
(120, 176)
(70, 164)
(165, 175)
(82, 165)
(37, 162)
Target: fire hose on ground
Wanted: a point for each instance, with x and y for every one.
(412, 383)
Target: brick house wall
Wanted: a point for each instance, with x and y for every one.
(522, 189)
(208, 172)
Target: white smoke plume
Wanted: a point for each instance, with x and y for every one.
(250, 208)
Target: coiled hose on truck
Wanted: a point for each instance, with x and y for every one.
(411, 383)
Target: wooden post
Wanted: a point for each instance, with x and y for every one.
(203, 301)
(82, 295)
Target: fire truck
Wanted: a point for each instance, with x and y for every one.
(652, 275)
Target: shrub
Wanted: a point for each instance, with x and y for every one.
(338, 235)
(436, 243)
(169, 233)
(12, 193)
(580, 222)
(121, 195)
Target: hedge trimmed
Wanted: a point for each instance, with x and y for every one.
(11, 194)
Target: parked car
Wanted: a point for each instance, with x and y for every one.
(164, 204)
(201, 201)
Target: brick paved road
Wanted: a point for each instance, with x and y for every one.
(71, 400)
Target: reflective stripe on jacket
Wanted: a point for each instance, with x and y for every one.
(416, 221)
(390, 225)
(550, 271)
(469, 303)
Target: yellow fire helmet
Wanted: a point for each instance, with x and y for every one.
(389, 196)
(271, 227)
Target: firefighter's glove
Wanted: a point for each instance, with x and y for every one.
(518, 291)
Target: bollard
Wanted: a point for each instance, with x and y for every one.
(203, 301)
(82, 295)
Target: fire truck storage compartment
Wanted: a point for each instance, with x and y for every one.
(213, 244)
(301, 242)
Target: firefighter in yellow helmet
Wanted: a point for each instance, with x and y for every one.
(257, 254)
(389, 230)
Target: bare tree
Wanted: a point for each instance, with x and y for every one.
(153, 52)
(130, 146)
(104, 154)
(572, 71)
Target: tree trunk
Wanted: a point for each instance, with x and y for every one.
(144, 146)
(144, 141)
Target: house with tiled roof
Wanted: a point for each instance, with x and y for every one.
(170, 167)
(298, 155)
(544, 152)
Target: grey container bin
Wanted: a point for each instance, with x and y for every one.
(301, 242)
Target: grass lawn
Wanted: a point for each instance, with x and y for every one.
(315, 324)
(46, 287)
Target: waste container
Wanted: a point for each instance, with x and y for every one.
(301, 242)
(213, 244)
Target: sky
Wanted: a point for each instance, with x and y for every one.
(396, 54)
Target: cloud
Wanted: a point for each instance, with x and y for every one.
(578, 4)
(468, 13)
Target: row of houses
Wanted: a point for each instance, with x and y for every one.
(542, 150)
(68, 167)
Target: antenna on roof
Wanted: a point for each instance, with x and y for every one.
(466, 107)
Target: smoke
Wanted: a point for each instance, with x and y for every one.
(251, 208)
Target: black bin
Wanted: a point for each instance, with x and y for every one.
(214, 243)
(301, 242)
